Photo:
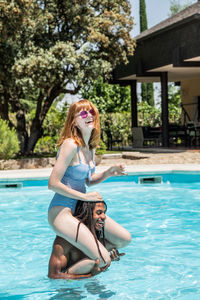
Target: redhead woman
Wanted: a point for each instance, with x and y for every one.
(74, 168)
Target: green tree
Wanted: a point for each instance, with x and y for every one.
(174, 102)
(176, 7)
(52, 126)
(148, 115)
(147, 93)
(147, 90)
(48, 48)
(107, 97)
(9, 141)
(143, 16)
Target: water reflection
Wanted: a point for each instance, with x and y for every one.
(95, 288)
(68, 293)
(90, 288)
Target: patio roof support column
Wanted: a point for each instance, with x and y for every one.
(164, 104)
(134, 117)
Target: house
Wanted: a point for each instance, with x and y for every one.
(167, 52)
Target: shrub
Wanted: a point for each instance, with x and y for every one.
(101, 149)
(118, 125)
(8, 140)
(46, 144)
(52, 127)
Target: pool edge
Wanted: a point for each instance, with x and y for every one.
(44, 173)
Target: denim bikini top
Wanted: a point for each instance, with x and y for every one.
(80, 171)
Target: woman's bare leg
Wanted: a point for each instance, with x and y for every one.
(65, 226)
(84, 266)
(116, 234)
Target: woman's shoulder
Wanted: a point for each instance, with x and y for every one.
(69, 143)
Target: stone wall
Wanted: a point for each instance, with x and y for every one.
(27, 163)
(33, 163)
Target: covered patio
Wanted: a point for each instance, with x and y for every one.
(169, 52)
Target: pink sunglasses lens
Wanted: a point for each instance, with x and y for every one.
(92, 112)
(84, 114)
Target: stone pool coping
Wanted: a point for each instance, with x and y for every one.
(42, 173)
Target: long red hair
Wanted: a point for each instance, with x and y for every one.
(70, 130)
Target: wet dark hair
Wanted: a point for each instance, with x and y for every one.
(84, 213)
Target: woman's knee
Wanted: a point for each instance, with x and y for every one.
(127, 238)
(106, 260)
(84, 266)
(124, 240)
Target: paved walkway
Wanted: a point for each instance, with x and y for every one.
(157, 157)
(136, 162)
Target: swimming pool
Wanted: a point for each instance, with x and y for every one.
(162, 261)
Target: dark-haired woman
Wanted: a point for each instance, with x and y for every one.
(74, 169)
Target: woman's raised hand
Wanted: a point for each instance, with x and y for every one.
(93, 196)
(117, 170)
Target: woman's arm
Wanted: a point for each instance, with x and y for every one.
(67, 153)
(112, 171)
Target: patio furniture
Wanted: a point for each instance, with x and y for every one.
(178, 134)
(193, 131)
(113, 141)
(139, 140)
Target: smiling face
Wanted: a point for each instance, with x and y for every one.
(77, 127)
(99, 215)
(85, 119)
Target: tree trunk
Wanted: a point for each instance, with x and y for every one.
(41, 112)
(36, 133)
(27, 143)
(21, 123)
(4, 108)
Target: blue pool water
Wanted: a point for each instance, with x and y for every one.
(162, 261)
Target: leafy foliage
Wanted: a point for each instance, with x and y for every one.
(117, 125)
(54, 47)
(101, 148)
(143, 16)
(176, 7)
(174, 104)
(107, 97)
(53, 125)
(148, 115)
(147, 93)
(46, 144)
(8, 140)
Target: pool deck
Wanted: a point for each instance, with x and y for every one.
(153, 161)
(43, 173)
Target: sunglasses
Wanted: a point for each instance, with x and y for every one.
(84, 113)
